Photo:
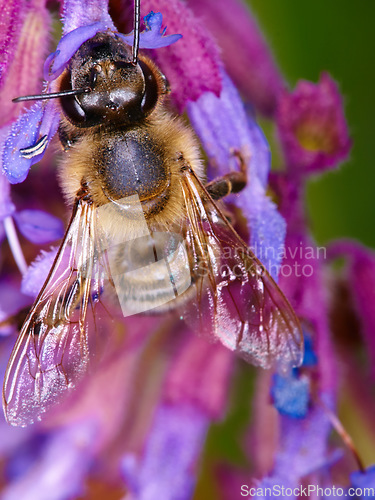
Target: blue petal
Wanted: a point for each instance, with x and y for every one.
(50, 122)
(152, 37)
(6, 206)
(28, 139)
(310, 358)
(267, 227)
(291, 395)
(38, 226)
(363, 480)
(67, 47)
(23, 134)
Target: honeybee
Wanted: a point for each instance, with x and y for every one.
(145, 224)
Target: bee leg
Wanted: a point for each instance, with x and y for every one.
(233, 182)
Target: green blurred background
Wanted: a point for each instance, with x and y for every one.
(308, 37)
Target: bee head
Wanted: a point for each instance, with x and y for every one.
(121, 91)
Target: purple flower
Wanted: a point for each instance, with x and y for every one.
(170, 458)
(226, 132)
(312, 126)
(142, 423)
(35, 225)
(364, 483)
(359, 278)
(188, 76)
(248, 59)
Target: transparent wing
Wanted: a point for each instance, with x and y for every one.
(53, 348)
(234, 299)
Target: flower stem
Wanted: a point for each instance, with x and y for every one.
(14, 244)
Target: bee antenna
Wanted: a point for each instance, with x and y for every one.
(52, 95)
(137, 24)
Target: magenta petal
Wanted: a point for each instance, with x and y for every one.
(191, 65)
(30, 46)
(80, 13)
(200, 375)
(38, 226)
(152, 37)
(244, 51)
(312, 126)
(361, 280)
(11, 19)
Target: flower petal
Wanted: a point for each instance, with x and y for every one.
(303, 447)
(153, 37)
(166, 468)
(38, 226)
(361, 281)
(12, 301)
(191, 65)
(80, 13)
(364, 480)
(225, 130)
(24, 133)
(23, 76)
(37, 273)
(6, 206)
(11, 19)
(312, 126)
(244, 51)
(67, 47)
(266, 226)
(28, 140)
(61, 469)
(200, 375)
(291, 395)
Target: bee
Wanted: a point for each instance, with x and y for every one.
(146, 227)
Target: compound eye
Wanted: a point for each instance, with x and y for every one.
(70, 104)
(72, 109)
(151, 94)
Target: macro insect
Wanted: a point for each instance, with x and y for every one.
(146, 227)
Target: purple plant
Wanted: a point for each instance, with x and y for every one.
(138, 427)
